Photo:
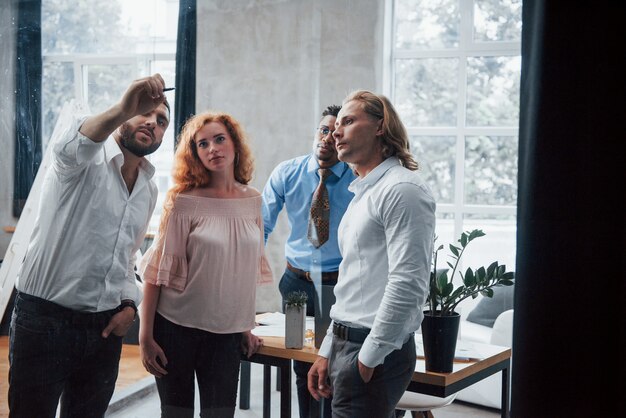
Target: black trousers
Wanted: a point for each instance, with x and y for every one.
(56, 352)
(212, 359)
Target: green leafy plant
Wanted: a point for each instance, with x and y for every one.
(443, 296)
(296, 298)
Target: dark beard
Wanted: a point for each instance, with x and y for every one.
(128, 141)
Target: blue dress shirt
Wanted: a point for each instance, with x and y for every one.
(292, 184)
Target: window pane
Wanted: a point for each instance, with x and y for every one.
(167, 69)
(444, 232)
(152, 24)
(162, 158)
(436, 156)
(491, 170)
(82, 27)
(497, 20)
(493, 91)
(427, 24)
(426, 91)
(57, 90)
(498, 244)
(106, 84)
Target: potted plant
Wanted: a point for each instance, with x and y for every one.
(295, 319)
(440, 326)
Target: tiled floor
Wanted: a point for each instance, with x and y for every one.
(148, 406)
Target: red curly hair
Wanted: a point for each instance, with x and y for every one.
(189, 173)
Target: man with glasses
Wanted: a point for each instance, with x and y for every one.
(296, 184)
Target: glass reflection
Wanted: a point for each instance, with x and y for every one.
(491, 170)
(427, 24)
(426, 91)
(436, 157)
(497, 20)
(493, 85)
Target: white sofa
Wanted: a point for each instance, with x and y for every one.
(487, 392)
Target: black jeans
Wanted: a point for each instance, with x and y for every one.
(55, 352)
(214, 360)
(290, 283)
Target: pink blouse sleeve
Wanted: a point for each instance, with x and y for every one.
(265, 276)
(165, 262)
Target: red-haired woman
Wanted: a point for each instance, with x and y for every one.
(201, 273)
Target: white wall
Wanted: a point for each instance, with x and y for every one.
(7, 120)
(275, 65)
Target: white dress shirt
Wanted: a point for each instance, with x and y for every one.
(89, 228)
(386, 240)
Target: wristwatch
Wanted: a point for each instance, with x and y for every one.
(125, 303)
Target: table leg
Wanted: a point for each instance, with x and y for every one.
(267, 390)
(318, 409)
(505, 391)
(285, 389)
(244, 386)
(323, 412)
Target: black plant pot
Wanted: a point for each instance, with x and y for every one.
(439, 334)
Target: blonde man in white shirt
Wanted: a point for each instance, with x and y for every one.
(77, 294)
(386, 240)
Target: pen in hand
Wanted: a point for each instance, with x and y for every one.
(168, 89)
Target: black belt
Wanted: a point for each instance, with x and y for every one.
(355, 335)
(41, 306)
(326, 277)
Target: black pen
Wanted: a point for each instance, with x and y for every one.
(168, 89)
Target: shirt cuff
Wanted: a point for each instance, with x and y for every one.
(372, 353)
(325, 347)
(132, 292)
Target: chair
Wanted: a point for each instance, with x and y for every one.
(420, 405)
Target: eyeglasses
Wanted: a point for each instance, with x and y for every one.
(324, 130)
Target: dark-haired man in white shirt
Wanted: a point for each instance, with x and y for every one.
(386, 240)
(77, 294)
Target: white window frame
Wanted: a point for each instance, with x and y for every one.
(467, 48)
(81, 62)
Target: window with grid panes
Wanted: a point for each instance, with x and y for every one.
(92, 51)
(454, 78)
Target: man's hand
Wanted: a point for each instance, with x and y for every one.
(153, 357)
(143, 96)
(317, 379)
(120, 323)
(365, 372)
(250, 344)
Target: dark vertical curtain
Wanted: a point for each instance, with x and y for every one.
(185, 64)
(568, 345)
(27, 101)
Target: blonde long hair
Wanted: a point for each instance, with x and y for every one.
(189, 173)
(394, 139)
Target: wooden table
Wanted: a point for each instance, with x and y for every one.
(494, 359)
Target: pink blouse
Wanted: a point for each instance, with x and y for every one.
(208, 263)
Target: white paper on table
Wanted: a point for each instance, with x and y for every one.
(464, 349)
(273, 325)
